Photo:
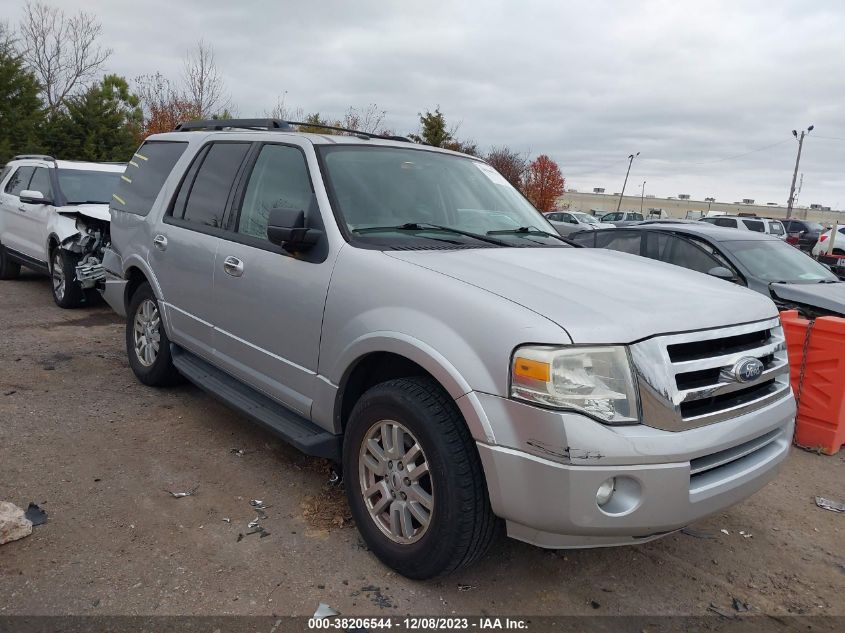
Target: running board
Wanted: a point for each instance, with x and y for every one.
(291, 427)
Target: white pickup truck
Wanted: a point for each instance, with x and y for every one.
(54, 218)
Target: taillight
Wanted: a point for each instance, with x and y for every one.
(823, 238)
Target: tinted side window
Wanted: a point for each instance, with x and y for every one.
(635, 216)
(279, 180)
(145, 174)
(19, 180)
(210, 189)
(729, 222)
(777, 228)
(623, 241)
(755, 225)
(585, 238)
(683, 253)
(41, 182)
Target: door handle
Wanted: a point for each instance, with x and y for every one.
(22, 209)
(160, 242)
(233, 266)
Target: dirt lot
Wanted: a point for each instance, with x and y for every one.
(96, 449)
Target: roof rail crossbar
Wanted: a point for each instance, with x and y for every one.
(222, 124)
(34, 157)
(357, 133)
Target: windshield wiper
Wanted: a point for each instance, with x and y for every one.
(76, 203)
(425, 226)
(530, 230)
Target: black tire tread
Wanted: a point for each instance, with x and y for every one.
(74, 294)
(480, 526)
(162, 373)
(8, 268)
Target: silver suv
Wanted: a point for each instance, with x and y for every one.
(402, 310)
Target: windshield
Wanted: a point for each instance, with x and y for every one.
(586, 218)
(81, 186)
(774, 260)
(397, 194)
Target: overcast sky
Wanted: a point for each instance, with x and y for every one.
(687, 84)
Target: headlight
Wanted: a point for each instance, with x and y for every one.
(594, 380)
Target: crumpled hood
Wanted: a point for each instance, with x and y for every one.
(96, 211)
(826, 296)
(600, 296)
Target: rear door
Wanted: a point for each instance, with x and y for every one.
(268, 304)
(13, 218)
(185, 246)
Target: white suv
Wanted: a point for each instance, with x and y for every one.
(54, 218)
(758, 225)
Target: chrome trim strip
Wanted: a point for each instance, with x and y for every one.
(721, 388)
(713, 461)
(726, 360)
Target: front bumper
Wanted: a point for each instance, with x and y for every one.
(545, 468)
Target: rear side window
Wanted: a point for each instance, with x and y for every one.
(729, 222)
(681, 252)
(623, 241)
(206, 194)
(755, 225)
(777, 228)
(145, 174)
(19, 180)
(635, 216)
(585, 238)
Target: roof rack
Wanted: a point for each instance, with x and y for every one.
(275, 125)
(34, 157)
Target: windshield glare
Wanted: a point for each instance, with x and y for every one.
(586, 218)
(388, 187)
(80, 185)
(774, 260)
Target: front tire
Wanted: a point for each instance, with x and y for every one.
(67, 291)
(147, 344)
(414, 479)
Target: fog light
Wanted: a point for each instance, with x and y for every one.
(605, 491)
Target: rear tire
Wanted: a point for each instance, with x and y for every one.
(67, 291)
(421, 525)
(147, 345)
(8, 268)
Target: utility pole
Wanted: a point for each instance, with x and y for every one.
(642, 195)
(631, 158)
(795, 173)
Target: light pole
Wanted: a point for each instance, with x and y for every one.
(795, 173)
(642, 195)
(631, 158)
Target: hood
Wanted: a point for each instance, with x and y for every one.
(605, 225)
(96, 211)
(830, 297)
(600, 296)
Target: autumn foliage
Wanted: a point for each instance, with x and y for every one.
(543, 183)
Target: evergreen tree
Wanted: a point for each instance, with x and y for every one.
(21, 110)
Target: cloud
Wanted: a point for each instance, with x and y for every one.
(685, 83)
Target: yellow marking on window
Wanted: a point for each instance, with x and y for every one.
(118, 198)
(528, 368)
(133, 163)
(142, 157)
(126, 179)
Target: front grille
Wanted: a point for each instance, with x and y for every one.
(712, 470)
(686, 380)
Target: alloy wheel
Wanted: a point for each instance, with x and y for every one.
(147, 334)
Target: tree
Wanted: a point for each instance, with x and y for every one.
(61, 50)
(101, 124)
(544, 183)
(21, 112)
(204, 86)
(512, 165)
(433, 129)
(367, 119)
(164, 107)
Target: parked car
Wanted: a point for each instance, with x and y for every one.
(802, 233)
(567, 222)
(389, 306)
(622, 218)
(821, 246)
(759, 261)
(54, 218)
(758, 225)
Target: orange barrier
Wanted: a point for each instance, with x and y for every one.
(820, 423)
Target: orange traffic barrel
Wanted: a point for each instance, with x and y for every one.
(817, 373)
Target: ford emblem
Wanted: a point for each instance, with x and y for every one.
(747, 369)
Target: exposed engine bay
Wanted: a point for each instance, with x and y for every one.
(88, 244)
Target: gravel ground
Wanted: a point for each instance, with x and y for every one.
(98, 451)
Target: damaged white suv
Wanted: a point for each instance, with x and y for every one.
(54, 218)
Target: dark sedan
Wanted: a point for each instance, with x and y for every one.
(759, 261)
(802, 233)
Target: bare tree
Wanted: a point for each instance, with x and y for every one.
(367, 119)
(511, 164)
(283, 112)
(61, 50)
(203, 83)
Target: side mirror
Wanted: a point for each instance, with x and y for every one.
(286, 228)
(720, 272)
(33, 197)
